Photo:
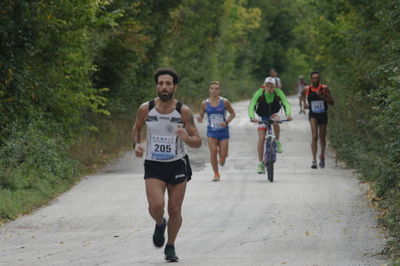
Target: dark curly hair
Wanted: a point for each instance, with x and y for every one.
(168, 71)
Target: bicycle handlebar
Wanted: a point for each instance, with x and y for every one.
(271, 121)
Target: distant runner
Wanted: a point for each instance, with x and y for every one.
(217, 127)
(273, 74)
(300, 86)
(318, 98)
(266, 102)
(166, 168)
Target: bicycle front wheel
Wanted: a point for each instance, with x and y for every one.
(270, 162)
(270, 171)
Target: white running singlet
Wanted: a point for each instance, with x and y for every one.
(163, 145)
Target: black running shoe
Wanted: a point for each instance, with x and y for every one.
(314, 165)
(170, 255)
(158, 236)
(321, 161)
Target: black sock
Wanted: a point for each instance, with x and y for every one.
(162, 224)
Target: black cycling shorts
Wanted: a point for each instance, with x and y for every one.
(173, 173)
(321, 118)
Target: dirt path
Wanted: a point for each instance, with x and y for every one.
(306, 217)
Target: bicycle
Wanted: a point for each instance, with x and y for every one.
(270, 148)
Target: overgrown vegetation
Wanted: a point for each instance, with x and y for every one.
(356, 44)
(72, 73)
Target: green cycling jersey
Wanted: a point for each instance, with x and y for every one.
(269, 97)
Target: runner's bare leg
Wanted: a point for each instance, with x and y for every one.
(314, 136)
(213, 146)
(223, 150)
(176, 194)
(155, 190)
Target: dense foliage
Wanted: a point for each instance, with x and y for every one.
(356, 44)
(73, 72)
(45, 91)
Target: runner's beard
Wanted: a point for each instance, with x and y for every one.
(165, 97)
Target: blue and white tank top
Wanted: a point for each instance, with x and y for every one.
(215, 114)
(163, 144)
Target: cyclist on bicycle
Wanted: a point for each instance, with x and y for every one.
(318, 97)
(266, 103)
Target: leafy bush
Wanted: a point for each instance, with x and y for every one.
(33, 167)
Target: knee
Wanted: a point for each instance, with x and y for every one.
(223, 155)
(156, 206)
(315, 138)
(174, 212)
(213, 151)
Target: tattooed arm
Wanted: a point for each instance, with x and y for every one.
(189, 134)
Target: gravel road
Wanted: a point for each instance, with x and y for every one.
(306, 217)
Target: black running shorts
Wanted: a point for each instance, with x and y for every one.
(173, 173)
(321, 118)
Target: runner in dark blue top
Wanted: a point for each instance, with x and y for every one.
(318, 96)
(217, 127)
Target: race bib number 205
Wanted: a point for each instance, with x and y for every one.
(163, 147)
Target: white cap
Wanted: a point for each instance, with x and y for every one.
(270, 80)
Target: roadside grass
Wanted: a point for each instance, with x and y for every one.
(384, 193)
(15, 203)
(35, 168)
